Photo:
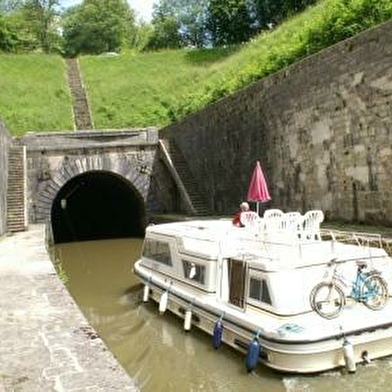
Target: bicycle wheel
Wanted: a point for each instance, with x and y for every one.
(327, 299)
(374, 292)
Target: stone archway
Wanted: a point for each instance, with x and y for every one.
(91, 181)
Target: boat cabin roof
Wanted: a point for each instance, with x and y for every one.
(272, 250)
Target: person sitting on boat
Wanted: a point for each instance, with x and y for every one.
(237, 217)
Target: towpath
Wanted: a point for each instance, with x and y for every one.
(46, 344)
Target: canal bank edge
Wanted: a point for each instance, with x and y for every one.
(46, 342)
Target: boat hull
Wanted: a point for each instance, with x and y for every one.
(288, 353)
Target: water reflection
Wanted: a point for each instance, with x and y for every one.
(156, 351)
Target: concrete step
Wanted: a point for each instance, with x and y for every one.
(81, 109)
(15, 223)
(16, 190)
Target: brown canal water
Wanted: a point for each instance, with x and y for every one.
(157, 353)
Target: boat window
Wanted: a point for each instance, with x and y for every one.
(194, 271)
(157, 250)
(258, 289)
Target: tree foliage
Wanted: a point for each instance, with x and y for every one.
(272, 12)
(220, 22)
(97, 26)
(141, 36)
(229, 22)
(29, 25)
(8, 37)
(9, 5)
(190, 16)
(165, 34)
(41, 18)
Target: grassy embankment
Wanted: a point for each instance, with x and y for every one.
(147, 89)
(140, 89)
(158, 88)
(34, 93)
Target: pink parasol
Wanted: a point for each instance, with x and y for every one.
(258, 190)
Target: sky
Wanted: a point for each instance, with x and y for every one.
(143, 8)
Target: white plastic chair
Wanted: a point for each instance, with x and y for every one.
(272, 219)
(273, 213)
(292, 221)
(250, 219)
(311, 224)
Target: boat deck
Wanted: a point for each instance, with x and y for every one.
(275, 249)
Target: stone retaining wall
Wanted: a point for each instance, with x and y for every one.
(5, 141)
(321, 128)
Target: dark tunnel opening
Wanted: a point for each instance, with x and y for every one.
(97, 205)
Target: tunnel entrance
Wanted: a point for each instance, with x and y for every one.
(97, 205)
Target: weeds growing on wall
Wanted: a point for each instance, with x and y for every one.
(56, 260)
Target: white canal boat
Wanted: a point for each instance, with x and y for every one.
(285, 293)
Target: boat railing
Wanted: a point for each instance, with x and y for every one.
(363, 239)
(296, 244)
(355, 238)
(271, 244)
(293, 227)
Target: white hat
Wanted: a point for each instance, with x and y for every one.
(244, 206)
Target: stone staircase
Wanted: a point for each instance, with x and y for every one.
(184, 179)
(16, 190)
(81, 108)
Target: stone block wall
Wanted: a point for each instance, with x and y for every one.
(5, 142)
(322, 130)
(55, 158)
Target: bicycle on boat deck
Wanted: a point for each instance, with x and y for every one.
(327, 298)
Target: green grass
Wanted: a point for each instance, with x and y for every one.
(160, 88)
(320, 26)
(155, 89)
(34, 93)
(139, 90)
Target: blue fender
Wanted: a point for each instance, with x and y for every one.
(217, 335)
(253, 354)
